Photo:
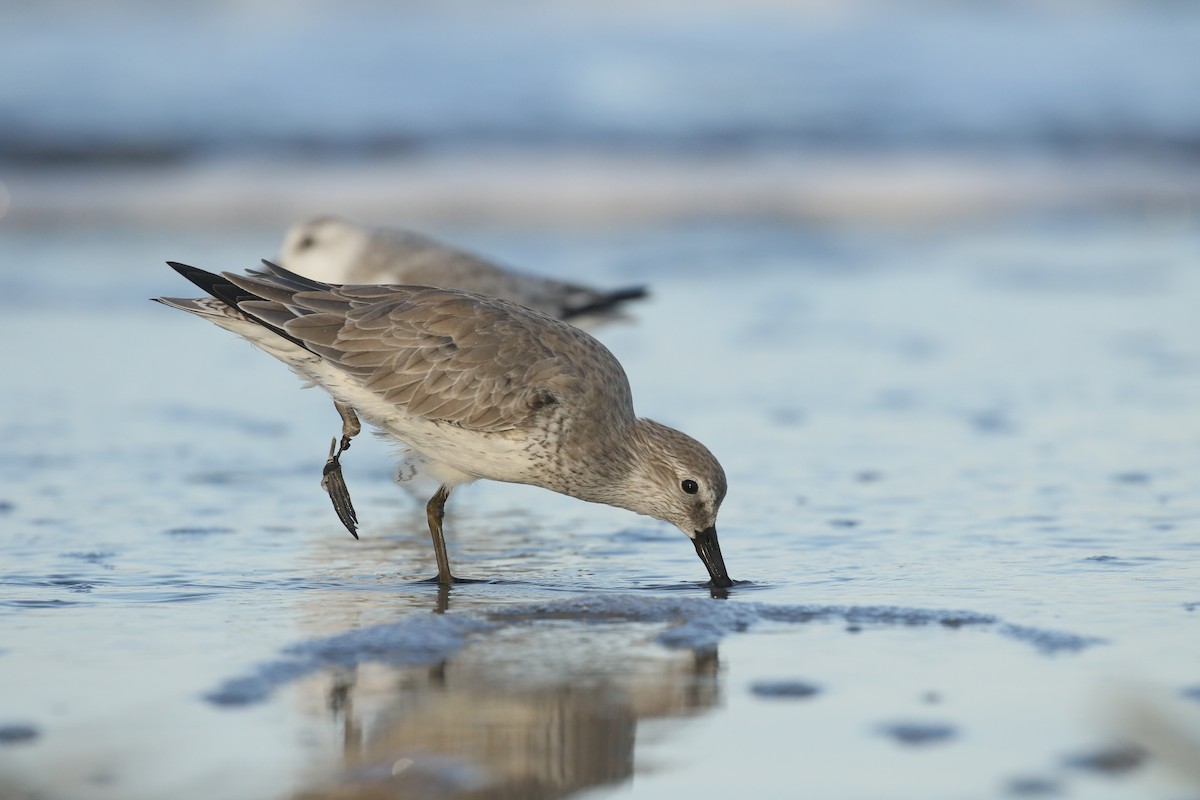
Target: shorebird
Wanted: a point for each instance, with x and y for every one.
(335, 250)
(475, 387)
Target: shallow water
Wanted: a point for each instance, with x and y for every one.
(961, 442)
(963, 499)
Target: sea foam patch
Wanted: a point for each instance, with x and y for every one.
(409, 642)
(691, 623)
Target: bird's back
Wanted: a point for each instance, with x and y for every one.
(421, 362)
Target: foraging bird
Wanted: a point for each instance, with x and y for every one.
(335, 250)
(476, 387)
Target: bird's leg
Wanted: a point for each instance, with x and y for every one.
(435, 511)
(331, 477)
(350, 426)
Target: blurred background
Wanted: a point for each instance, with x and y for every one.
(923, 274)
(544, 113)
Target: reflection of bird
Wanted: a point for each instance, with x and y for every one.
(477, 387)
(334, 250)
(545, 715)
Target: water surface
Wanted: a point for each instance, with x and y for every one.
(924, 277)
(962, 494)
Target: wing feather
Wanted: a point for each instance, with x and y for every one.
(446, 355)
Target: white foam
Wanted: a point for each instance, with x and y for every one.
(692, 623)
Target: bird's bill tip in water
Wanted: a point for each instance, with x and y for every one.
(709, 551)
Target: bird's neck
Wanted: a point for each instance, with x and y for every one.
(618, 472)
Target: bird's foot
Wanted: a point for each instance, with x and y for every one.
(333, 483)
(454, 580)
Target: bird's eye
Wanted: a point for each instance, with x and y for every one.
(690, 486)
(306, 243)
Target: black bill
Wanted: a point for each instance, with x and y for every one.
(709, 551)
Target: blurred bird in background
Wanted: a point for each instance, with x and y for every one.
(335, 250)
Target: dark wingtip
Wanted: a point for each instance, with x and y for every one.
(629, 293)
(228, 293)
(607, 302)
(214, 285)
(193, 274)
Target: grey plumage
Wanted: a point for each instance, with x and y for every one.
(338, 251)
(479, 387)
